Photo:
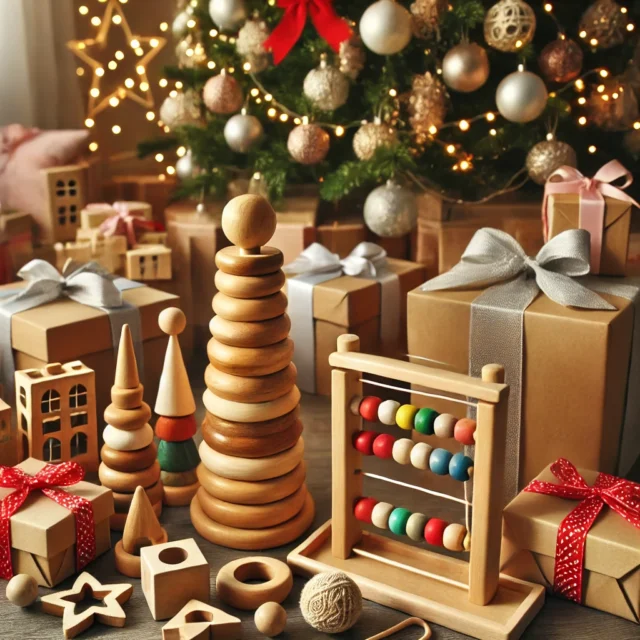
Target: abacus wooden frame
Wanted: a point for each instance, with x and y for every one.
(418, 581)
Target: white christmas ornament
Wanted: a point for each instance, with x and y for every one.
(227, 15)
(386, 27)
(242, 132)
(391, 210)
(179, 26)
(185, 167)
(521, 96)
(180, 109)
(326, 86)
(465, 68)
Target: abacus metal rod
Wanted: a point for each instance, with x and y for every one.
(420, 393)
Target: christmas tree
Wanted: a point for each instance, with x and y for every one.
(469, 99)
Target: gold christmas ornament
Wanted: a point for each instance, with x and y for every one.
(326, 86)
(352, 57)
(372, 135)
(465, 68)
(308, 144)
(222, 94)
(425, 15)
(547, 156)
(391, 210)
(615, 108)
(509, 25)
(561, 61)
(603, 24)
(249, 44)
(181, 109)
(427, 105)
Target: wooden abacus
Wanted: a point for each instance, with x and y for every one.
(470, 597)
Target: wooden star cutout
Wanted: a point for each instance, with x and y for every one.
(93, 51)
(63, 604)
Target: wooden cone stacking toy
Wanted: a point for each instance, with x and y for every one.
(252, 475)
(129, 454)
(176, 426)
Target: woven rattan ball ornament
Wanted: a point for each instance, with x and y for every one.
(308, 144)
(326, 87)
(371, 136)
(331, 602)
(465, 67)
(427, 105)
(561, 60)
(603, 24)
(425, 15)
(547, 156)
(181, 109)
(222, 94)
(509, 25)
(352, 57)
(250, 44)
(391, 210)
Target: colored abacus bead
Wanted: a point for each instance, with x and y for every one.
(461, 467)
(363, 442)
(402, 450)
(444, 425)
(354, 405)
(405, 416)
(387, 412)
(439, 461)
(380, 515)
(434, 531)
(383, 446)
(420, 455)
(364, 508)
(398, 521)
(424, 421)
(369, 408)
(453, 537)
(464, 431)
(415, 526)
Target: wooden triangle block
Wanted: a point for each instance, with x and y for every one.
(142, 524)
(200, 621)
(127, 366)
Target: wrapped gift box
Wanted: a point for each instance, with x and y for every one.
(16, 230)
(43, 533)
(297, 216)
(611, 580)
(156, 190)
(93, 215)
(8, 445)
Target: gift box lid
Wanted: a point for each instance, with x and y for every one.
(568, 206)
(45, 528)
(613, 544)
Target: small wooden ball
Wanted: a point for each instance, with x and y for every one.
(22, 590)
(270, 619)
(172, 321)
(369, 408)
(387, 412)
(401, 451)
(444, 425)
(249, 221)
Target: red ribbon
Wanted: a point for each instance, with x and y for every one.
(328, 24)
(128, 224)
(52, 475)
(623, 496)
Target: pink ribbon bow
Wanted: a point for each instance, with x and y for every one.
(11, 137)
(128, 224)
(592, 205)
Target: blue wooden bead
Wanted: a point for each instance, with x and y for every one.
(459, 467)
(439, 461)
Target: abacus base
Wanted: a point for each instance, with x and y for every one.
(505, 618)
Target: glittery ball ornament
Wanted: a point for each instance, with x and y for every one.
(427, 105)
(605, 23)
(465, 68)
(521, 96)
(352, 57)
(385, 27)
(561, 60)
(391, 210)
(616, 108)
(227, 15)
(308, 144)
(547, 156)
(180, 109)
(249, 44)
(425, 16)
(242, 132)
(326, 87)
(509, 25)
(190, 53)
(372, 135)
(222, 94)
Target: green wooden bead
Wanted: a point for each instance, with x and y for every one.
(178, 456)
(398, 521)
(423, 422)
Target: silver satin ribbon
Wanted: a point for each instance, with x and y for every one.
(88, 284)
(316, 264)
(494, 259)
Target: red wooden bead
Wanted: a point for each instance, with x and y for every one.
(383, 446)
(464, 431)
(176, 429)
(364, 507)
(434, 531)
(369, 408)
(363, 442)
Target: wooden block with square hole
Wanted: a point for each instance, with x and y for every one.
(148, 262)
(200, 621)
(253, 493)
(172, 575)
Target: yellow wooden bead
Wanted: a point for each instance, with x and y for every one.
(405, 415)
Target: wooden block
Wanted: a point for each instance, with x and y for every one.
(200, 621)
(154, 237)
(173, 574)
(93, 215)
(148, 262)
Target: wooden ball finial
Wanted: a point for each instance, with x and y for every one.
(172, 321)
(249, 221)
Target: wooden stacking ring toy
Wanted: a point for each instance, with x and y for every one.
(250, 334)
(125, 482)
(256, 412)
(249, 286)
(243, 361)
(129, 460)
(232, 260)
(257, 310)
(127, 398)
(180, 496)
(127, 440)
(250, 430)
(259, 389)
(231, 584)
(179, 478)
(118, 520)
(122, 501)
(128, 564)
(127, 419)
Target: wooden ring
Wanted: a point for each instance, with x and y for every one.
(127, 398)
(256, 412)
(245, 516)
(258, 389)
(238, 310)
(178, 478)
(241, 492)
(180, 496)
(252, 447)
(118, 520)
(128, 564)
(122, 501)
(250, 334)
(125, 482)
(129, 460)
(127, 440)
(252, 539)
(230, 260)
(252, 430)
(249, 286)
(127, 419)
(241, 361)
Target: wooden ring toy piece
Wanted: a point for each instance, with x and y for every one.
(120, 440)
(127, 398)
(118, 520)
(256, 412)
(129, 460)
(250, 334)
(178, 478)
(251, 430)
(251, 469)
(252, 493)
(180, 496)
(409, 622)
(231, 584)
(241, 361)
(125, 482)
(122, 501)
(238, 310)
(231, 261)
(258, 389)
(128, 564)
(249, 286)
(176, 429)
(127, 419)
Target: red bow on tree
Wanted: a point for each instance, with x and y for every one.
(52, 475)
(328, 24)
(623, 496)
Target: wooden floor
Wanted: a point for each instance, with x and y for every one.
(557, 620)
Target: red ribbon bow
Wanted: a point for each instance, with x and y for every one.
(623, 496)
(328, 24)
(128, 224)
(52, 475)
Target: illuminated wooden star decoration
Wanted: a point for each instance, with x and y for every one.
(93, 51)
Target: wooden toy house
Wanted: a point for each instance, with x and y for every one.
(7, 437)
(66, 189)
(149, 262)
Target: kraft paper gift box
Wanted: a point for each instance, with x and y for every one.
(156, 190)
(93, 215)
(8, 445)
(43, 533)
(16, 230)
(611, 579)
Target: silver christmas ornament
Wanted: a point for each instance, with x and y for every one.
(249, 44)
(185, 168)
(227, 15)
(427, 105)
(181, 109)
(521, 96)
(385, 27)
(465, 68)
(547, 156)
(509, 25)
(308, 144)
(242, 132)
(372, 135)
(352, 57)
(222, 94)
(326, 87)
(179, 26)
(391, 210)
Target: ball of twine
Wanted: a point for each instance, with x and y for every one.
(331, 602)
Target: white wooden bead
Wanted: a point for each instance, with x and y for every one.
(380, 515)
(420, 455)
(454, 536)
(121, 440)
(401, 451)
(387, 411)
(354, 405)
(444, 424)
(415, 526)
